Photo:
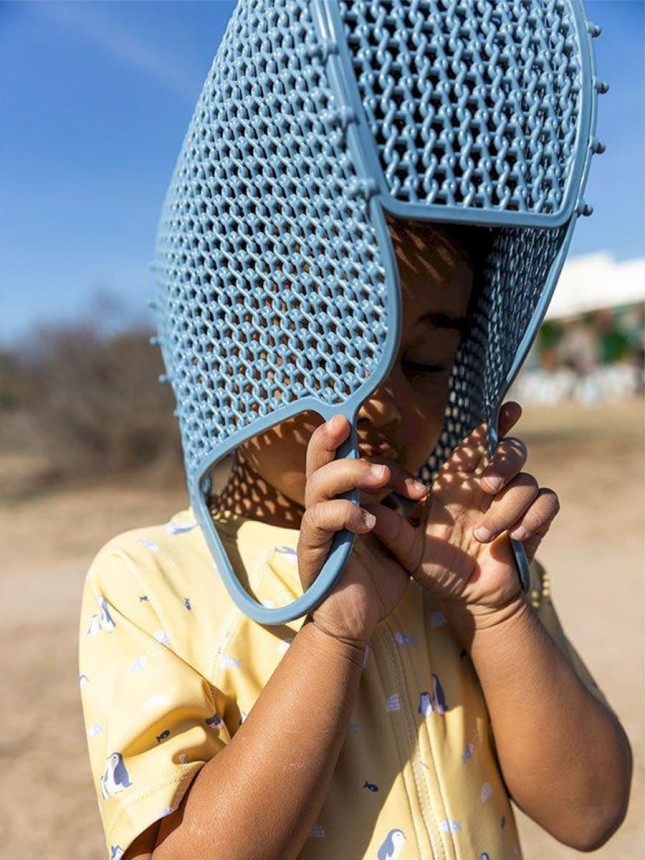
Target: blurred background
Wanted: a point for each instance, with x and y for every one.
(94, 100)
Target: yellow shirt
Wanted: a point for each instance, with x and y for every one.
(170, 668)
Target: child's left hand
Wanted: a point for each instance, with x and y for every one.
(439, 543)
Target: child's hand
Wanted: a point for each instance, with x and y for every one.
(372, 583)
(440, 543)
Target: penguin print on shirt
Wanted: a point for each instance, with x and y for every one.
(393, 845)
(115, 777)
(107, 622)
(434, 702)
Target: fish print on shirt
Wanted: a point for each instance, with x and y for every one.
(95, 730)
(317, 831)
(485, 793)
(403, 638)
(228, 662)
(116, 852)
(162, 637)
(82, 681)
(392, 846)
(287, 552)
(115, 776)
(214, 722)
(162, 737)
(187, 603)
(370, 786)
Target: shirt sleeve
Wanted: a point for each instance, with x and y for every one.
(152, 720)
(542, 603)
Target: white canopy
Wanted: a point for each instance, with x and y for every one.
(597, 281)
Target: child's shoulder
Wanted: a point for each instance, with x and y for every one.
(159, 580)
(159, 549)
(163, 565)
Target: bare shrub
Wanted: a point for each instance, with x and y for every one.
(90, 401)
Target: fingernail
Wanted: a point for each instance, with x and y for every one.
(520, 533)
(419, 485)
(494, 482)
(369, 519)
(482, 534)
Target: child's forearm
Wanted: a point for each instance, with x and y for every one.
(259, 797)
(565, 758)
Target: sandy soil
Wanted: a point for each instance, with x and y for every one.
(593, 457)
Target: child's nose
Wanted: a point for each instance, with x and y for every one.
(381, 409)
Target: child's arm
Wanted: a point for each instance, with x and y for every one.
(261, 794)
(564, 756)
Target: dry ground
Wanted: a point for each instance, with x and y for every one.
(592, 456)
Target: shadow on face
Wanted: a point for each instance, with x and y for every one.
(436, 266)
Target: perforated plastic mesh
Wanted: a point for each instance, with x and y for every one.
(473, 103)
(509, 290)
(272, 284)
(271, 287)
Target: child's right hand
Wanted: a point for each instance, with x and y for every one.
(372, 583)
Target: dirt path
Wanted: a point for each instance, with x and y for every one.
(592, 457)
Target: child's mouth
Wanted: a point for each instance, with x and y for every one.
(382, 449)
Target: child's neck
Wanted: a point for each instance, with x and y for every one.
(246, 494)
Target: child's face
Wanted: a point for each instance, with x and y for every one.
(407, 411)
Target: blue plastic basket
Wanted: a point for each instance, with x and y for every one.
(316, 119)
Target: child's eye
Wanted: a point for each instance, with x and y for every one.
(415, 367)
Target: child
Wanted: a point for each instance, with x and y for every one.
(401, 716)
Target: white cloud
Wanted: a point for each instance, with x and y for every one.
(122, 45)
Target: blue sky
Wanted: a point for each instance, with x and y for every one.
(95, 98)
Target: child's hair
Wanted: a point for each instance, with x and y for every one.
(461, 241)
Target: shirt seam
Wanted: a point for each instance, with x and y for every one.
(437, 848)
(401, 762)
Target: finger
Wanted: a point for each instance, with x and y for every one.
(469, 452)
(324, 442)
(340, 476)
(538, 518)
(400, 479)
(509, 414)
(507, 461)
(317, 528)
(508, 506)
(402, 538)
(471, 455)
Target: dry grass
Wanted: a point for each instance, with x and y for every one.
(592, 457)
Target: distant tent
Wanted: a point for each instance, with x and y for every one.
(595, 282)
